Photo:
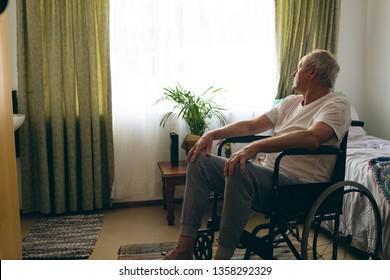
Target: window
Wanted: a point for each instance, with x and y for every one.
(203, 43)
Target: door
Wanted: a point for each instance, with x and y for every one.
(10, 233)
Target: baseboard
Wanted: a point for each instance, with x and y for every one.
(127, 204)
(145, 203)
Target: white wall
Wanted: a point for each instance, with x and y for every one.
(376, 98)
(363, 54)
(350, 54)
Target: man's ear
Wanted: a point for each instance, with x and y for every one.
(313, 72)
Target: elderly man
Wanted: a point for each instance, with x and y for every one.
(314, 117)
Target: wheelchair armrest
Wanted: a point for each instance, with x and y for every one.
(357, 123)
(323, 150)
(240, 139)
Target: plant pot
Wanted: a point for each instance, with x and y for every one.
(189, 142)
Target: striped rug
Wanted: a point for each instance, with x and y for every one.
(62, 237)
(156, 251)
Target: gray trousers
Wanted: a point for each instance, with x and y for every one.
(242, 192)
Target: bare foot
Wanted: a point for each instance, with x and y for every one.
(178, 254)
(184, 249)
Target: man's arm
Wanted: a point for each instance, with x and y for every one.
(309, 139)
(241, 128)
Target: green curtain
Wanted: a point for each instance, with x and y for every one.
(303, 26)
(64, 89)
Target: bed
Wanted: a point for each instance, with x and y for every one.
(361, 150)
(367, 163)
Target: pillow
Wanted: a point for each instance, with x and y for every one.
(355, 131)
(276, 102)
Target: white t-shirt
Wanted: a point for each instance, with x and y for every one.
(290, 116)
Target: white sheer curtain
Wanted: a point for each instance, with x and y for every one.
(203, 43)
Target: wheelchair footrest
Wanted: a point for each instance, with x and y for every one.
(203, 247)
(259, 246)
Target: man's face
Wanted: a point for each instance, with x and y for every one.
(301, 78)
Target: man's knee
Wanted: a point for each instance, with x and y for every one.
(198, 164)
(206, 161)
(236, 174)
(208, 170)
(238, 183)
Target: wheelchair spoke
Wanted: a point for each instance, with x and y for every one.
(347, 235)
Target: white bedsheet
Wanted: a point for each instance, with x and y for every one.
(360, 150)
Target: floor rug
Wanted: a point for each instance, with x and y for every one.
(62, 237)
(155, 251)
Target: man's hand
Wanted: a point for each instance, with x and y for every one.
(204, 143)
(240, 157)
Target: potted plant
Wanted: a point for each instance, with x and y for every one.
(195, 110)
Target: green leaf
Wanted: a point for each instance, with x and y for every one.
(193, 109)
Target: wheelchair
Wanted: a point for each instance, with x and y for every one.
(310, 215)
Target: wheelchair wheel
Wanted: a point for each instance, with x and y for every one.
(332, 232)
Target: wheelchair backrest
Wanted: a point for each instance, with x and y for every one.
(339, 169)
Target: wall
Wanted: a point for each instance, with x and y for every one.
(351, 51)
(365, 63)
(376, 97)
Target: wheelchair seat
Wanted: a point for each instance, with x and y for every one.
(303, 207)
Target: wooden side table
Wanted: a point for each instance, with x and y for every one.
(171, 176)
